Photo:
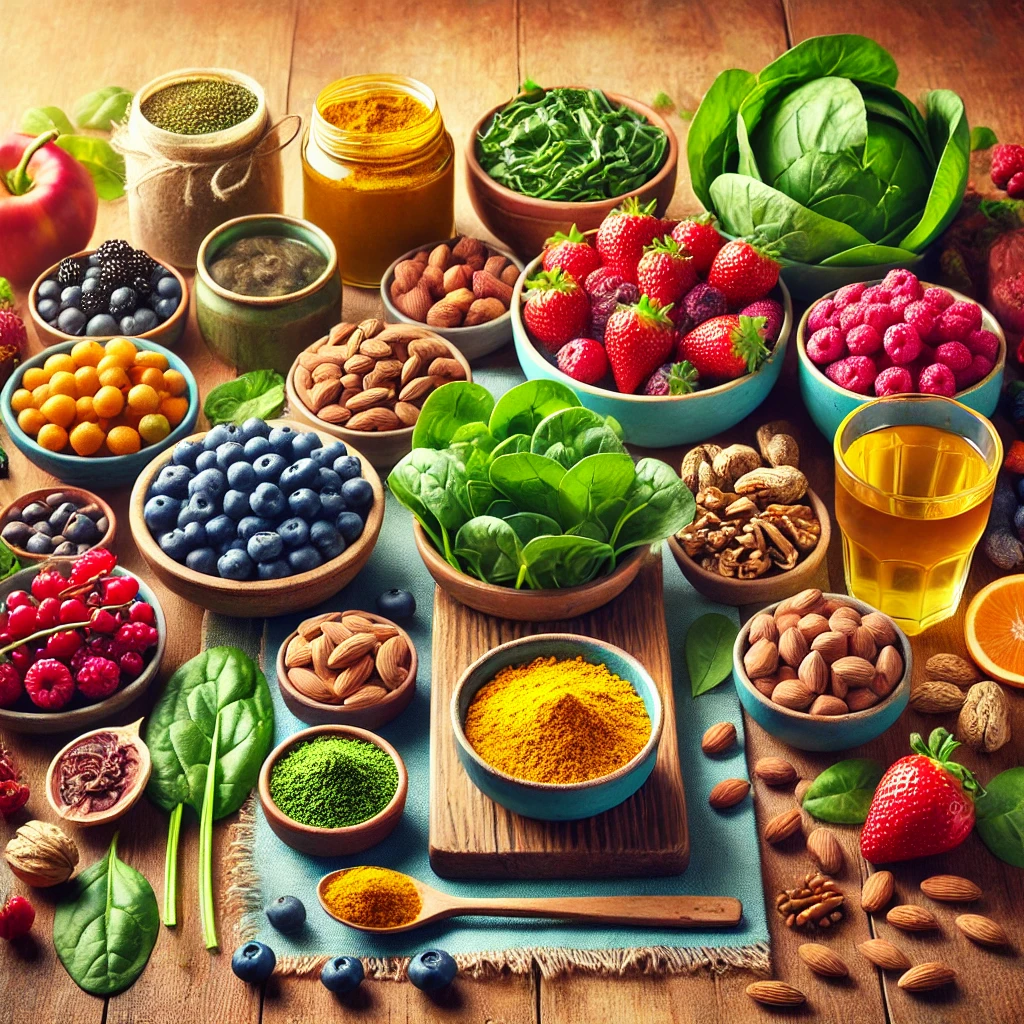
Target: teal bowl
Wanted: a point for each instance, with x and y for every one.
(807, 282)
(98, 473)
(829, 404)
(549, 801)
(822, 732)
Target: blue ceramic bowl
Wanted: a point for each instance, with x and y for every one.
(99, 473)
(822, 732)
(829, 404)
(549, 801)
(661, 421)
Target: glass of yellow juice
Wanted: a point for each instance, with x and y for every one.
(914, 481)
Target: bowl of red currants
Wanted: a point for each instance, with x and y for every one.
(79, 640)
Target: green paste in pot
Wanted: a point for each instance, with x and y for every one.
(267, 265)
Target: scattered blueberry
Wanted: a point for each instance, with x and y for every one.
(253, 963)
(286, 914)
(432, 970)
(397, 604)
(343, 974)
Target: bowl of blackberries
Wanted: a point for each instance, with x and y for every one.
(111, 291)
(257, 519)
(56, 522)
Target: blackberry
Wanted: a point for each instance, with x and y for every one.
(114, 247)
(141, 264)
(69, 272)
(140, 283)
(114, 272)
(93, 302)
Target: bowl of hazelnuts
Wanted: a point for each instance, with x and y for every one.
(460, 288)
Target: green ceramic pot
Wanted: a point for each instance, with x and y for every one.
(265, 332)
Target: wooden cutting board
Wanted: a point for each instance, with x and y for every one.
(473, 837)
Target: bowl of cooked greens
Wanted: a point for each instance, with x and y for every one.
(551, 158)
(820, 158)
(529, 506)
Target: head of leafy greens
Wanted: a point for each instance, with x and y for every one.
(532, 490)
(257, 393)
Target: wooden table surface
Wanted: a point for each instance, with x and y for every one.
(474, 54)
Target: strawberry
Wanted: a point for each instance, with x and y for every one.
(701, 240)
(1007, 160)
(556, 308)
(725, 347)
(672, 379)
(624, 233)
(638, 340)
(665, 272)
(742, 272)
(572, 253)
(922, 806)
(583, 359)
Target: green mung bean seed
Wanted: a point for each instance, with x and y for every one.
(199, 106)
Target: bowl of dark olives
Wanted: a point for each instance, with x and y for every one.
(56, 522)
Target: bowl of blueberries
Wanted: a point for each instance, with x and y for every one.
(106, 292)
(56, 522)
(259, 519)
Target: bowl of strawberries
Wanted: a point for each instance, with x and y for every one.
(897, 335)
(669, 327)
(79, 640)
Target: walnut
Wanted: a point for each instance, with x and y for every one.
(814, 902)
(41, 854)
(732, 462)
(697, 472)
(984, 722)
(778, 445)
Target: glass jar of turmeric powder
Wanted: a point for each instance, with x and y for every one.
(378, 170)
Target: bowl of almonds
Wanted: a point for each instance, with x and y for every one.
(822, 671)
(347, 668)
(460, 288)
(365, 383)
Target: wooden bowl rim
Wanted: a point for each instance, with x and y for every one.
(393, 695)
(154, 334)
(151, 552)
(312, 732)
(829, 721)
(587, 646)
(40, 494)
(564, 207)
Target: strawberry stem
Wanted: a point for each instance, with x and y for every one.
(650, 312)
(574, 235)
(682, 378)
(630, 207)
(748, 341)
(939, 748)
(669, 245)
(556, 280)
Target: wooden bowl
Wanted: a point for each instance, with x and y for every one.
(78, 494)
(772, 587)
(373, 717)
(527, 605)
(524, 223)
(333, 842)
(382, 447)
(256, 598)
(81, 718)
(168, 333)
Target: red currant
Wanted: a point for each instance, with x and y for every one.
(92, 564)
(22, 621)
(48, 584)
(18, 599)
(142, 612)
(11, 687)
(48, 612)
(73, 610)
(102, 621)
(63, 645)
(22, 658)
(120, 589)
(16, 918)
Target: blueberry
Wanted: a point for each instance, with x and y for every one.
(294, 532)
(236, 504)
(432, 970)
(254, 962)
(206, 460)
(123, 299)
(92, 283)
(358, 494)
(235, 565)
(268, 501)
(343, 974)
(79, 528)
(61, 514)
(325, 457)
(276, 570)
(168, 288)
(304, 503)
(397, 604)
(164, 308)
(195, 535)
(348, 467)
(332, 504)
(221, 530)
(280, 439)
(216, 436)
(48, 309)
(251, 525)
(231, 545)
(350, 525)
(92, 273)
(172, 481)
(127, 326)
(200, 508)
(185, 452)
(71, 321)
(253, 427)
(202, 560)
(241, 476)
(269, 467)
(326, 539)
(264, 546)
(255, 447)
(18, 533)
(302, 473)
(49, 289)
(1018, 521)
(145, 320)
(40, 544)
(93, 259)
(305, 558)
(161, 513)
(103, 325)
(35, 512)
(211, 481)
(174, 544)
(71, 297)
(327, 480)
(303, 445)
(229, 453)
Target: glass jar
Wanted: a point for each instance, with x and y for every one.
(378, 192)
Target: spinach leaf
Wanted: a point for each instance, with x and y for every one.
(530, 481)
(869, 255)
(103, 108)
(502, 509)
(451, 406)
(490, 548)
(258, 393)
(709, 643)
(532, 524)
(595, 530)
(37, 120)
(520, 409)
(842, 793)
(432, 481)
(101, 161)
(9, 565)
(569, 435)
(982, 138)
(658, 505)
(1000, 816)
(511, 445)
(208, 735)
(106, 925)
(591, 483)
(551, 562)
(402, 480)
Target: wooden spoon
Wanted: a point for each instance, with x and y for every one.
(641, 911)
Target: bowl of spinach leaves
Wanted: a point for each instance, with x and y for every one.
(530, 507)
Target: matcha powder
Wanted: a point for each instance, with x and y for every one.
(333, 782)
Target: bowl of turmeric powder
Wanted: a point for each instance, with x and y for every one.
(557, 726)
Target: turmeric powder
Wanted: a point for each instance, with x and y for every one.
(375, 897)
(557, 721)
(377, 114)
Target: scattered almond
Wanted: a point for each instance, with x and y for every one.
(728, 793)
(936, 697)
(775, 993)
(801, 788)
(825, 851)
(877, 891)
(911, 918)
(951, 889)
(823, 960)
(782, 826)
(718, 739)
(775, 771)
(951, 668)
(983, 930)
(882, 953)
(924, 977)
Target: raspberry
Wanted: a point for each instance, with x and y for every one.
(11, 687)
(937, 379)
(704, 301)
(130, 663)
(938, 298)
(880, 315)
(101, 646)
(1007, 160)
(826, 345)
(902, 343)
(771, 311)
(902, 282)
(142, 612)
(19, 599)
(73, 610)
(848, 294)
(855, 373)
(876, 294)
(101, 621)
(96, 562)
(63, 646)
(1015, 186)
(850, 317)
(16, 918)
(98, 678)
(922, 316)
(49, 684)
(954, 354)
(980, 367)
(896, 380)
(970, 311)
(48, 584)
(983, 343)
(583, 359)
(21, 622)
(120, 589)
(47, 613)
(863, 340)
(136, 636)
(900, 302)
(22, 658)
(823, 314)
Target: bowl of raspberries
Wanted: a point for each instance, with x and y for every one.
(897, 335)
(79, 640)
(669, 327)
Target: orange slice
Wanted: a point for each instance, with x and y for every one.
(995, 630)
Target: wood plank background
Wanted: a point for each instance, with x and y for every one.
(474, 54)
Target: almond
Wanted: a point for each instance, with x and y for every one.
(495, 265)
(862, 644)
(303, 378)
(393, 661)
(786, 672)
(782, 826)
(457, 277)
(351, 381)
(484, 310)
(375, 347)
(359, 364)
(327, 371)
(812, 625)
(882, 953)
(787, 621)
(765, 685)
(728, 793)
(844, 620)
(351, 678)
(336, 632)
(889, 663)
(823, 960)
(775, 993)
(762, 627)
(911, 918)
(335, 414)
(793, 647)
(451, 369)
(357, 623)
(825, 851)
(377, 418)
(761, 659)
(416, 388)
(983, 930)
(861, 700)
(411, 369)
(428, 348)
(444, 314)
(487, 286)
(829, 706)
(950, 889)
(775, 771)
(440, 256)
(310, 627)
(365, 696)
(407, 413)
(388, 369)
(924, 977)
(369, 398)
(831, 645)
(321, 649)
(324, 393)
(883, 629)
(433, 279)
(509, 275)
(853, 672)
(792, 694)
(877, 891)
(805, 602)
(935, 697)
(309, 684)
(351, 650)
(719, 738)
(297, 654)
(951, 668)
(814, 673)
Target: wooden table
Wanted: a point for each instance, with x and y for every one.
(474, 55)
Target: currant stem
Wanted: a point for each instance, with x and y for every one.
(50, 630)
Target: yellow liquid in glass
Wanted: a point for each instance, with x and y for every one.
(908, 537)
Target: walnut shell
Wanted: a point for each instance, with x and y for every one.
(41, 854)
(984, 722)
(784, 485)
